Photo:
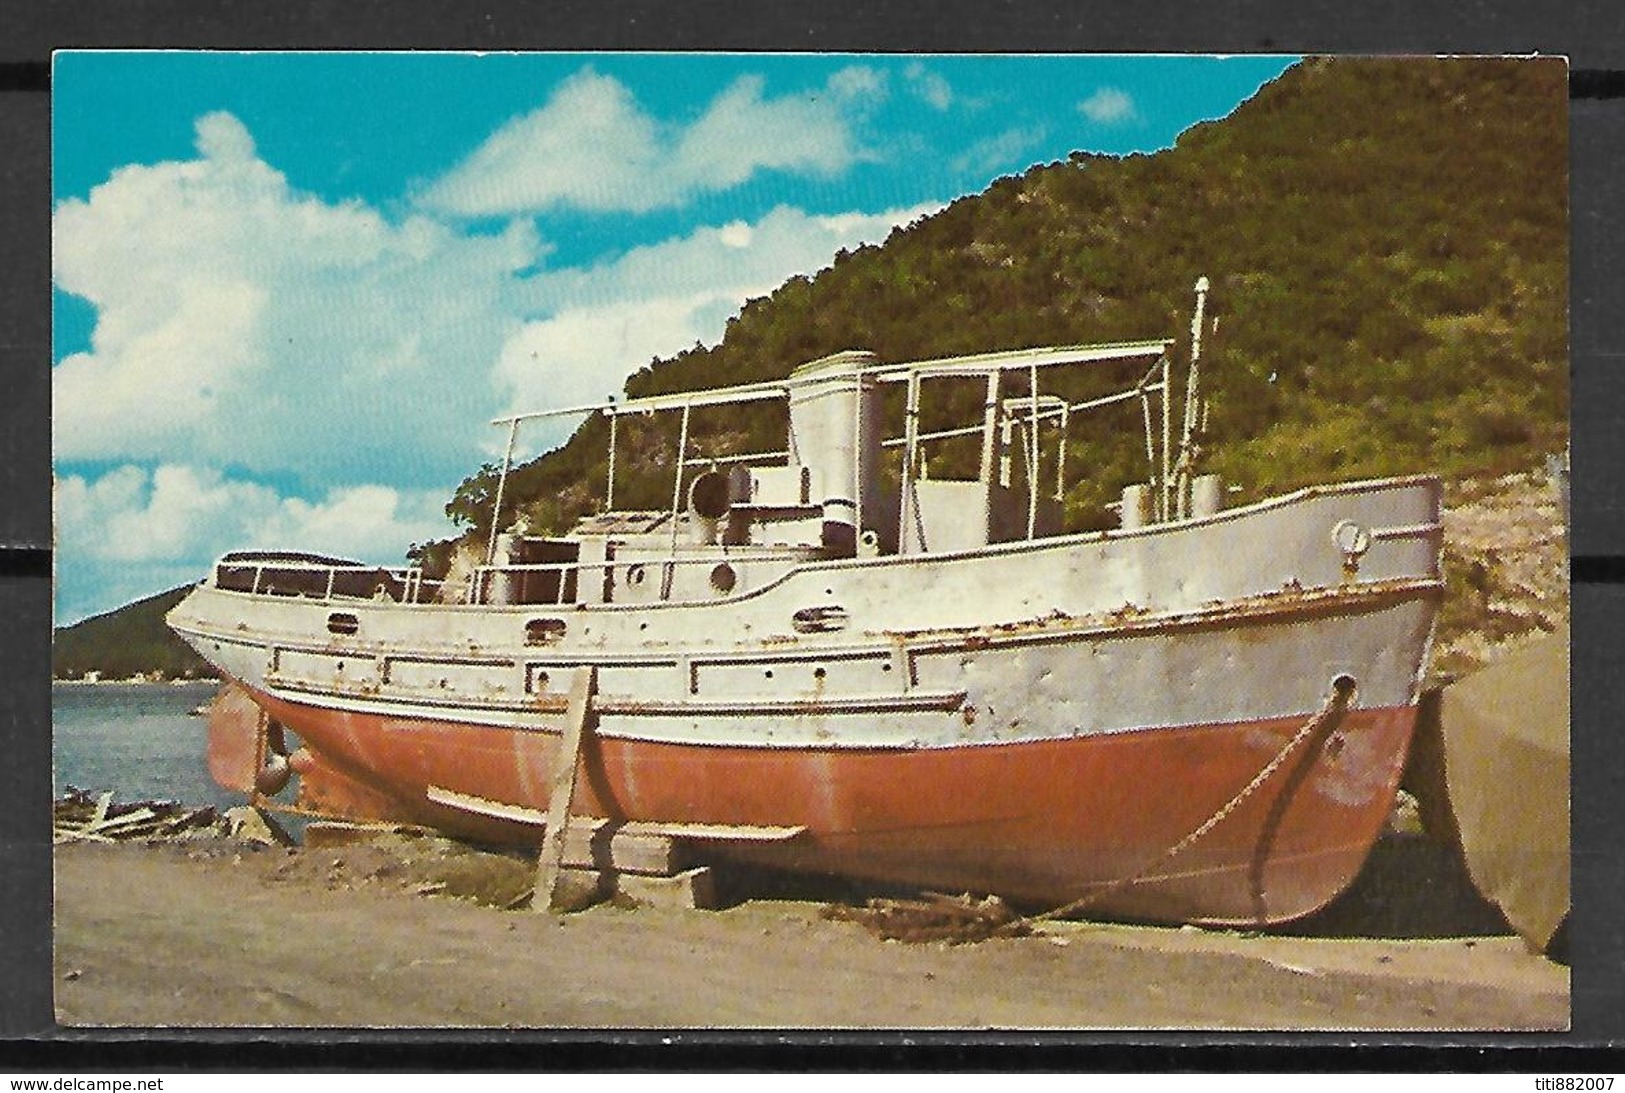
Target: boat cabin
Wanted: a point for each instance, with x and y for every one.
(739, 521)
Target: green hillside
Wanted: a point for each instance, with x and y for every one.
(126, 642)
(1387, 242)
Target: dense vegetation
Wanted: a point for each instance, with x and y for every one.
(1387, 241)
(132, 640)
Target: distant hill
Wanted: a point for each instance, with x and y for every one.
(132, 640)
(1388, 244)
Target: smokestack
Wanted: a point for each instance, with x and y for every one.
(835, 434)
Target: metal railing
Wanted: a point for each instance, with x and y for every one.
(325, 581)
(409, 585)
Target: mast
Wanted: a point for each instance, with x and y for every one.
(1187, 454)
(502, 483)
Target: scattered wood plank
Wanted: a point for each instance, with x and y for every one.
(126, 819)
(957, 920)
(70, 834)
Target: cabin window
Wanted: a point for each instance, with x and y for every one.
(342, 622)
(723, 578)
(544, 631)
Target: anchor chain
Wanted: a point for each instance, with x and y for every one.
(1331, 711)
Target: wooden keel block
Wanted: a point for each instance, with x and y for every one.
(623, 852)
(693, 889)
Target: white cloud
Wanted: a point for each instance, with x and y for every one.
(1109, 106)
(657, 300)
(241, 322)
(220, 136)
(999, 153)
(593, 147)
(132, 531)
(858, 84)
(930, 87)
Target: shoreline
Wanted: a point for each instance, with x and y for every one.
(136, 682)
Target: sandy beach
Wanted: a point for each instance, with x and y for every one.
(223, 934)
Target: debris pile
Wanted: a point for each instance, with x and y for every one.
(957, 920)
(79, 815)
(1506, 564)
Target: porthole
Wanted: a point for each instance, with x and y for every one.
(723, 578)
(635, 575)
(342, 622)
(1351, 538)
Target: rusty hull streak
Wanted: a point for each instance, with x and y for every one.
(1289, 605)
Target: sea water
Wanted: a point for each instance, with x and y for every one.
(141, 741)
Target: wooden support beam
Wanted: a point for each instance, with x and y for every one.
(594, 845)
(582, 685)
(691, 890)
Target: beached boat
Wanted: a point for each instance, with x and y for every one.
(825, 658)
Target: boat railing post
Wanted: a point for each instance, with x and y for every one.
(1167, 438)
(1150, 446)
(332, 573)
(990, 423)
(609, 488)
(676, 505)
(502, 482)
(1032, 451)
(259, 571)
(1060, 454)
(911, 438)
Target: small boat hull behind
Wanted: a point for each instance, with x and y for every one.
(1105, 819)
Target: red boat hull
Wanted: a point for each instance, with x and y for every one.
(1041, 823)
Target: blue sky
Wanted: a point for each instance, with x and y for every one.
(291, 289)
